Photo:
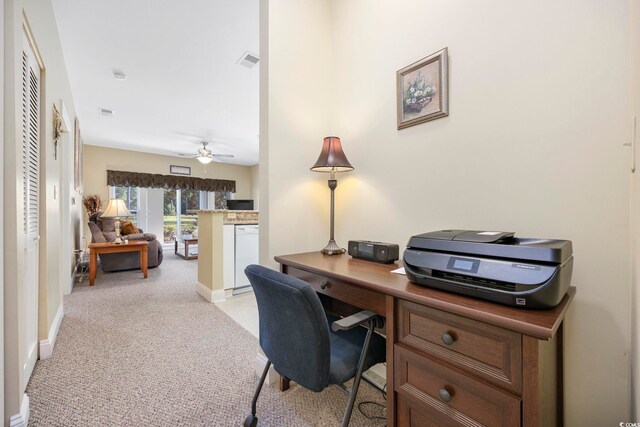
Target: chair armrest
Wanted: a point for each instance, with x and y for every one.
(354, 320)
(149, 237)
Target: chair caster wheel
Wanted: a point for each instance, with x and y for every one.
(251, 421)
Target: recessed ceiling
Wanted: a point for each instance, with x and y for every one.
(182, 74)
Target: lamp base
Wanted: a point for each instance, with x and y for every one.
(332, 248)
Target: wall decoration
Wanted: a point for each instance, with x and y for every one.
(57, 130)
(77, 155)
(423, 90)
(180, 170)
(92, 204)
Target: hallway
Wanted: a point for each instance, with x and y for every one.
(152, 352)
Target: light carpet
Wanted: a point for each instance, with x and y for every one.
(134, 352)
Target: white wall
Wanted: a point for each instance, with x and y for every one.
(255, 186)
(294, 115)
(13, 354)
(533, 144)
(2, 217)
(634, 106)
(55, 87)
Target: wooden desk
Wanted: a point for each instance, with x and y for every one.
(451, 360)
(141, 246)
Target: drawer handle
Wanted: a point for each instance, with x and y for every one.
(323, 284)
(447, 338)
(444, 395)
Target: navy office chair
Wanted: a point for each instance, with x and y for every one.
(295, 336)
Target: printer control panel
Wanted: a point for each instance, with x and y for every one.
(463, 264)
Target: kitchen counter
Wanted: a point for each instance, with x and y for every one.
(216, 251)
(234, 217)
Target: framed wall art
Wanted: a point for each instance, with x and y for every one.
(180, 170)
(423, 90)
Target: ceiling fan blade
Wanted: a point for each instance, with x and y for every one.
(208, 139)
(194, 136)
(228, 156)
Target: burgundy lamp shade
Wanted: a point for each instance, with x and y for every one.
(332, 157)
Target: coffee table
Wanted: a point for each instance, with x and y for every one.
(188, 241)
(141, 246)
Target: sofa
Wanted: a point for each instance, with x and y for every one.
(104, 230)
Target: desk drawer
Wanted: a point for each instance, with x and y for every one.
(492, 353)
(430, 393)
(354, 295)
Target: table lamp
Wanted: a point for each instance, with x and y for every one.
(332, 159)
(116, 209)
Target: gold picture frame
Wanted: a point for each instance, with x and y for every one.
(423, 90)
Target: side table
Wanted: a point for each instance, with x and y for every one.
(141, 246)
(187, 242)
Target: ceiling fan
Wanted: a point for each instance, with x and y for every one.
(205, 156)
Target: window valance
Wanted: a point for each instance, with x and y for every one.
(153, 180)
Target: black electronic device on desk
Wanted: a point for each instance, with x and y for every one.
(384, 253)
(492, 265)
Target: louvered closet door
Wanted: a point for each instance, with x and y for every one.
(31, 201)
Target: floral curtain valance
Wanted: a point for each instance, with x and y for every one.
(153, 180)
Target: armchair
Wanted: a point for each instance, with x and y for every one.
(103, 230)
(296, 338)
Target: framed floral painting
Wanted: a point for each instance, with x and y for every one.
(423, 90)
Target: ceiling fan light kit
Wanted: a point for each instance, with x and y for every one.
(206, 156)
(204, 159)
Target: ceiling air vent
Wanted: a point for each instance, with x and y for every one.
(106, 112)
(248, 60)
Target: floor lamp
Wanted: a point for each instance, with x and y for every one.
(332, 159)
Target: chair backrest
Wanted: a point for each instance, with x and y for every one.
(294, 332)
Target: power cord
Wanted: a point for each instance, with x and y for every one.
(374, 404)
(363, 404)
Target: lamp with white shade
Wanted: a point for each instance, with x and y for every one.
(116, 209)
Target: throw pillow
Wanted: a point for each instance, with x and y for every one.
(109, 235)
(127, 227)
(95, 216)
(107, 224)
(96, 234)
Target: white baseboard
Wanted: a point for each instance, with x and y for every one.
(46, 345)
(213, 296)
(272, 376)
(72, 281)
(21, 419)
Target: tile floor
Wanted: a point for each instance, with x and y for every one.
(243, 309)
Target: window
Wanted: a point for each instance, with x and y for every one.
(189, 205)
(221, 198)
(180, 210)
(131, 196)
